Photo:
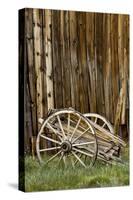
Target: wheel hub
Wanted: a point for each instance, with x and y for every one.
(66, 146)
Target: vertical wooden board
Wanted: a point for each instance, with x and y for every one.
(95, 59)
(107, 68)
(104, 56)
(83, 72)
(84, 68)
(44, 82)
(127, 39)
(99, 48)
(120, 48)
(56, 56)
(48, 53)
(90, 51)
(31, 76)
(119, 109)
(110, 75)
(67, 64)
(65, 57)
(74, 61)
(37, 57)
(114, 63)
(112, 83)
(125, 69)
(128, 71)
(24, 143)
(28, 121)
(122, 72)
(27, 109)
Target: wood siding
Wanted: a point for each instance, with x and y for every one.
(75, 59)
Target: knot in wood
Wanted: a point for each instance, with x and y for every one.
(49, 94)
(39, 25)
(50, 77)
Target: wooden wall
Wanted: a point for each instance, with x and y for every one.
(75, 59)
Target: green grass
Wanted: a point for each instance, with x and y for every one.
(41, 178)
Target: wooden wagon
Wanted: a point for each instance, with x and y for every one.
(68, 136)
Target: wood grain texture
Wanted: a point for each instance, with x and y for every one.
(76, 59)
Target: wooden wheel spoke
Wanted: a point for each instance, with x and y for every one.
(75, 128)
(75, 155)
(95, 120)
(54, 126)
(72, 161)
(64, 160)
(53, 157)
(82, 152)
(62, 154)
(68, 125)
(84, 143)
(63, 133)
(77, 160)
(81, 127)
(56, 132)
(49, 149)
(104, 125)
(80, 135)
(50, 139)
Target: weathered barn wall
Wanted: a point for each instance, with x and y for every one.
(74, 59)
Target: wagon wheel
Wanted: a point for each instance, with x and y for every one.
(100, 120)
(66, 137)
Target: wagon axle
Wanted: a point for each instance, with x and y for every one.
(66, 146)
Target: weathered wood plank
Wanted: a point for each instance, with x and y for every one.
(74, 62)
(121, 55)
(99, 59)
(107, 70)
(125, 67)
(114, 62)
(37, 21)
(65, 58)
(83, 76)
(119, 109)
(90, 50)
(31, 74)
(44, 84)
(48, 53)
(56, 56)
